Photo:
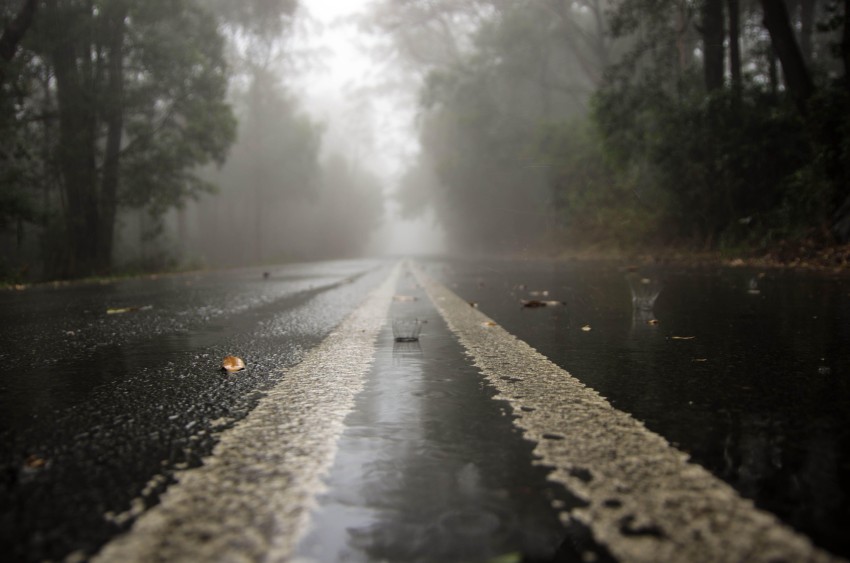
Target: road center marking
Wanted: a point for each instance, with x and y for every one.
(251, 499)
(646, 501)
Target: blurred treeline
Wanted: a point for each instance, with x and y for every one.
(148, 134)
(627, 124)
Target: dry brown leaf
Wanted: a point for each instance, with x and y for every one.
(35, 462)
(488, 323)
(232, 364)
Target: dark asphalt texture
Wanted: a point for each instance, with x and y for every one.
(98, 410)
(746, 371)
(431, 468)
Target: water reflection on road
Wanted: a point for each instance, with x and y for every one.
(431, 468)
(747, 371)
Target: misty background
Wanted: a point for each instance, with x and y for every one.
(156, 135)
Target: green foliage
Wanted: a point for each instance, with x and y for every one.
(594, 206)
(716, 167)
(176, 115)
(112, 104)
(660, 160)
(480, 122)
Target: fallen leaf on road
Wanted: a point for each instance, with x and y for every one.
(35, 462)
(231, 364)
(119, 310)
(700, 360)
(682, 337)
(473, 304)
(488, 323)
(652, 322)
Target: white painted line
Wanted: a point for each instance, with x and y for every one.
(646, 502)
(251, 499)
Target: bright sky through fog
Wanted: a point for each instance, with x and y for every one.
(341, 87)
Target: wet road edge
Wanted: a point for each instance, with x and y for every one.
(646, 502)
(251, 498)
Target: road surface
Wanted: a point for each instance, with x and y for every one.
(123, 441)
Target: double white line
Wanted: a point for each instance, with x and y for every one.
(251, 499)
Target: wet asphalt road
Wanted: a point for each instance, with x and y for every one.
(747, 371)
(98, 410)
(430, 467)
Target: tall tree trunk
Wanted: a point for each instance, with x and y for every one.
(114, 117)
(76, 155)
(735, 47)
(797, 78)
(712, 40)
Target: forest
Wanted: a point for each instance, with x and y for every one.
(145, 135)
(719, 125)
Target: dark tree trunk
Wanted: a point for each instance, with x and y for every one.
(76, 158)
(797, 78)
(14, 33)
(807, 25)
(114, 117)
(712, 40)
(88, 68)
(845, 44)
(735, 46)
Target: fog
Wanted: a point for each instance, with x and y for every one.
(144, 137)
(350, 92)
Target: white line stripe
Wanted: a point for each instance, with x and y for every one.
(251, 499)
(646, 502)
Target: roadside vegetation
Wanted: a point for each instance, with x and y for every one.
(711, 126)
(548, 127)
(150, 135)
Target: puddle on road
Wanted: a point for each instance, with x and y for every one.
(430, 467)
